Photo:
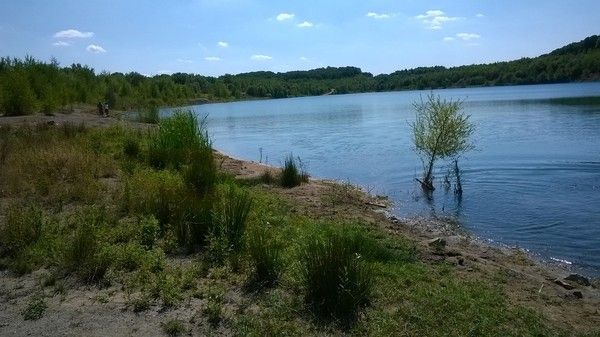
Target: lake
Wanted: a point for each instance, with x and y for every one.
(533, 181)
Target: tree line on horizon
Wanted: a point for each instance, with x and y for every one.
(29, 85)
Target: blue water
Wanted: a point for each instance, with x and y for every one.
(532, 182)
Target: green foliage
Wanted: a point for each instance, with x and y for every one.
(292, 174)
(337, 280)
(440, 131)
(131, 148)
(35, 308)
(27, 84)
(83, 252)
(177, 137)
(265, 255)
(22, 227)
(17, 96)
(201, 172)
(232, 212)
(174, 327)
(149, 115)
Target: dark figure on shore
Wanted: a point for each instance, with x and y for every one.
(100, 108)
(105, 110)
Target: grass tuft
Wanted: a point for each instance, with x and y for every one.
(293, 174)
(338, 281)
(265, 256)
(35, 308)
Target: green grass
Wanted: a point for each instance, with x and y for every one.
(292, 173)
(174, 327)
(337, 281)
(36, 307)
(265, 256)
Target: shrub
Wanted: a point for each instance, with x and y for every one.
(149, 115)
(131, 148)
(233, 212)
(175, 138)
(83, 254)
(201, 173)
(22, 227)
(264, 255)
(156, 193)
(337, 280)
(292, 174)
(174, 327)
(35, 308)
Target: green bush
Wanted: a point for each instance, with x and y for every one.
(292, 174)
(131, 148)
(337, 280)
(35, 308)
(22, 227)
(176, 137)
(265, 256)
(232, 214)
(83, 254)
(149, 115)
(201, 172)
(157, 193)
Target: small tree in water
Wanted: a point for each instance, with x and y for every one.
(440, 131)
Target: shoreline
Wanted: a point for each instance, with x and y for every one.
(437, 243)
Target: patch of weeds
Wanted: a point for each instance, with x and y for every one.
(214, 306)
(337, 280)
(174, 327)
(140, 303)
(83, 255)
(232, 213)
(293, 173)
(131, 148)
(22, 227)
(265, 256)
(201, 172)
(176, 136)
(35, 308)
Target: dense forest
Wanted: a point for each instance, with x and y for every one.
(29, 85)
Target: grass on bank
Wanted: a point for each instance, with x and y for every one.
(134, 209)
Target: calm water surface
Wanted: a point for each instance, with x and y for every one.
(533, 182)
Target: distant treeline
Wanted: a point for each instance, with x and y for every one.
(29, 85)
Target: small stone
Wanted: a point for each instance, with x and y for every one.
(578, 294)
(563, 284)
(578, 279)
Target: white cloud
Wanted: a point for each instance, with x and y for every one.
(449, 39)
(259, 57)
(61, 44)
(480, 15)
(72, 34)
(434, 19)
(284, 16)
(468, 36)
(212, 58)
(378, 16)
(222, 44)
(303, 58)
(96, 49)
(305, 24)
(188, 61)
(164, 72)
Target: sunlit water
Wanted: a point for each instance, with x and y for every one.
(532, 182)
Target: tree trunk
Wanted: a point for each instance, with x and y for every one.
(427, 182)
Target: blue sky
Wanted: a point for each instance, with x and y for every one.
(214, 37)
